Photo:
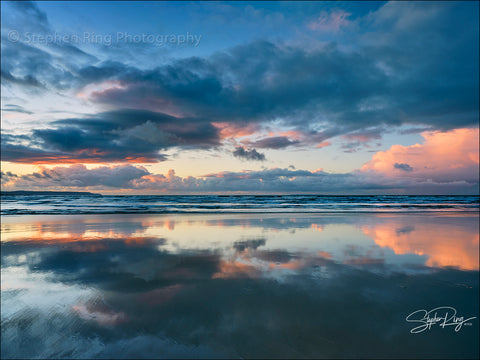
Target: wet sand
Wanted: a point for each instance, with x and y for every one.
(239, 285)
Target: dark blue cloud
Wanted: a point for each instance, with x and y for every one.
(407, 63)
(115, 136)
(252, 154)
(399, 77)
(276, 142)
(423, 73)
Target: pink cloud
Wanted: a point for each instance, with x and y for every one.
(443, 157)
(444, 163)
(435, 243)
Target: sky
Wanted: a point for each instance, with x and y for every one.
(240, 97)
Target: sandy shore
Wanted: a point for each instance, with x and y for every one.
(245, 285)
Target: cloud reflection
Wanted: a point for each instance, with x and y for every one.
(443, 243)
(271, 287)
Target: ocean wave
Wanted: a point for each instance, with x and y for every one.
(162, 204)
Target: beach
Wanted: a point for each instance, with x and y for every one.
(240, 179)
(286, 285)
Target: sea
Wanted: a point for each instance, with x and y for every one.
(75, 203)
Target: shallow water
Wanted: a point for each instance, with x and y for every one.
(239, 285)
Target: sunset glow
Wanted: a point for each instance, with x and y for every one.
(240, 179)
(318, 85)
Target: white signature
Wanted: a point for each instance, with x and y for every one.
(442, 316)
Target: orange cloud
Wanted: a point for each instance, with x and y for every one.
(88, 156)
(444, 156)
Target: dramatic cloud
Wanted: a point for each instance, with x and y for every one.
(447, 163)
(443, 157)
(115, 136)
(252, 154)
(276, 180)
(384, 80)
(344, 74)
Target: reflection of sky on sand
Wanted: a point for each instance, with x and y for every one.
(445, 241)
(434, 241)
(234, 285)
